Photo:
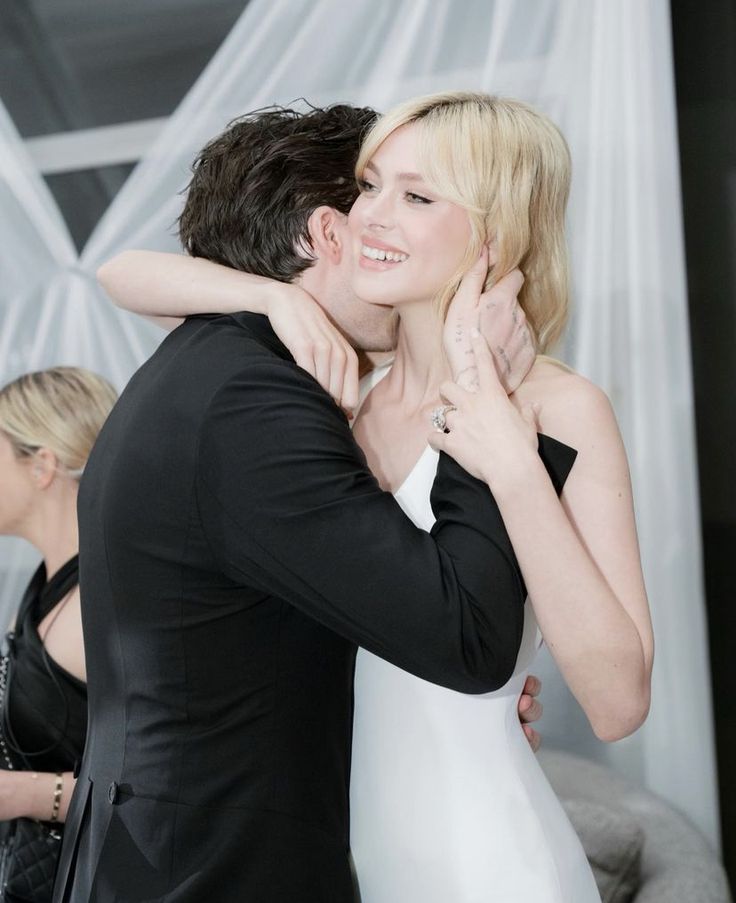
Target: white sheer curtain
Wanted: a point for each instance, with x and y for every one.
(604, 72)
(52, 311)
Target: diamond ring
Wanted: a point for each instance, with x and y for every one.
(438, 416)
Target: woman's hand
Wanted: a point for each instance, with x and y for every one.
(487, 436)
(315, 343)
(496, 313)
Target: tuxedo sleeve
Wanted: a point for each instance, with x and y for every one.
(289, 506)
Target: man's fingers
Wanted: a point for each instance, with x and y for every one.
(530, 709)
(532, 686)
(535, 741)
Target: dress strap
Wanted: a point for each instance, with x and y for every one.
(30, 596)
(370, 381)
(59, 586)
(41, 596)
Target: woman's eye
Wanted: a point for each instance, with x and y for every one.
(365, 185)
(417, 198)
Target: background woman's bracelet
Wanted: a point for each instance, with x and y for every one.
(58, 790)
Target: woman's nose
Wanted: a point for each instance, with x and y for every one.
(379, 213)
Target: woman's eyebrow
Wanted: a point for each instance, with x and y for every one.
(402, 176)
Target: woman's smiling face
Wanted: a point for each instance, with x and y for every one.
(408, 241)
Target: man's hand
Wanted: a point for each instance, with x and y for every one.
(501, 321)
(530, 710)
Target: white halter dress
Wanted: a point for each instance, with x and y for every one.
(448, 801)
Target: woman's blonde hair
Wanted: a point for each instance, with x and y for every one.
(61, 409)
(509, 167)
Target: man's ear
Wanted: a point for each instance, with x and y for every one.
(325, 232)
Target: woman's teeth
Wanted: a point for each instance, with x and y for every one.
(378, 254)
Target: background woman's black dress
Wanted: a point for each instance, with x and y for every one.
(45, 713)
(44, 707)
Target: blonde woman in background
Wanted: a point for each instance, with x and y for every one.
(49, 421)
(448, 801)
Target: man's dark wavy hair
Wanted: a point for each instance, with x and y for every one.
(255, 186)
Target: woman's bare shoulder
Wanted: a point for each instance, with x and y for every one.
(571, 407)
(551, 382)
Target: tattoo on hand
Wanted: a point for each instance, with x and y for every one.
(472, 384)
(501, 352)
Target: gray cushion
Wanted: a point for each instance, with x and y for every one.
(613, 843)
(677, 863)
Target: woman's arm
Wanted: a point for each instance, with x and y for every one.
(30, 794)
(578, 554)
(165, 288)
(168, 287)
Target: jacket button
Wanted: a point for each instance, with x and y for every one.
(112, 793)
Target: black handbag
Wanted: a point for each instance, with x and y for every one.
(28, 861)
(29, 854)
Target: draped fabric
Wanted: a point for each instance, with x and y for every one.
(603, 71)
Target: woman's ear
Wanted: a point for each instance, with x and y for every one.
(44, 466)
(324, 225)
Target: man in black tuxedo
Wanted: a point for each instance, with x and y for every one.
(234, 549)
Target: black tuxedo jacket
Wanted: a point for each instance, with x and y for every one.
(234, 549)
